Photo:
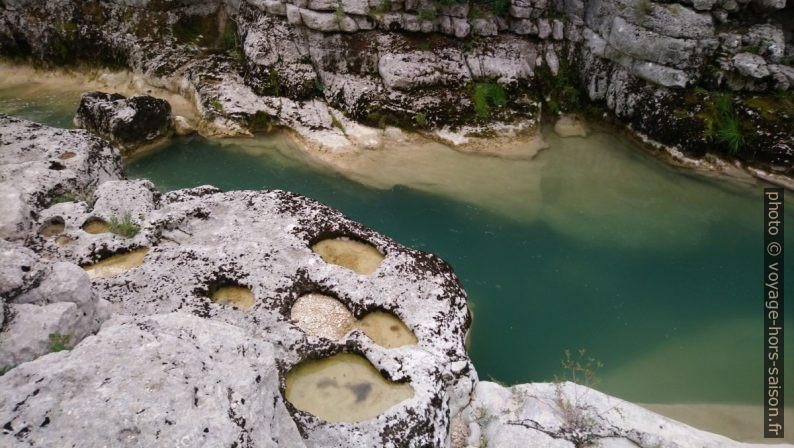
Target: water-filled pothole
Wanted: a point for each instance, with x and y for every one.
(52, 227)
(63, 240)
(386, 329)
(117, 264)
(327, 317)
(95, 226)
(343, 388)
(233, 295)
(359, 257)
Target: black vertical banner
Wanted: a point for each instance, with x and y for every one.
(773, 313)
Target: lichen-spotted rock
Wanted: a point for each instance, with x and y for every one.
(201, 238)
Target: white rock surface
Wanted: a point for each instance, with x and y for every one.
(567, 415)
(168, 380)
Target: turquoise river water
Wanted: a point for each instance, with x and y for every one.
(655, 270)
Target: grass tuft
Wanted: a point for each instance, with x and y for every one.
(81, 195)
(124, 226)
(59, 342)
(729, 131)
(488, 95)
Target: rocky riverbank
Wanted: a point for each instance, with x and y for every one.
(695, 77)
(181, 325)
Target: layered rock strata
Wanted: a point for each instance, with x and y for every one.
(696, 76)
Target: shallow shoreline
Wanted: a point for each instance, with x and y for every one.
(741, 422)
(521, 143)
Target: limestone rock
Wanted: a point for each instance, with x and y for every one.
(117, 198)
(643, 44)
(46, 301)
(570, 126)
(198, 239)
(508, 60)
(153, 381)
(15, 219)
(39, 164)
(531, 415)
(128, 122)
(484, 27)
(182, 126)
(768, 39)
(751, 65)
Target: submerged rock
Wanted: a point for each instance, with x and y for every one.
(128, 122)
(570, 126)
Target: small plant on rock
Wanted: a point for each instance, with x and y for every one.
(59, 342)
(384, 8)
(336, 123)
(729, 131)
(81, 195)
(427, 14)
(124, 226)
(487, 96)
(500, 7)
(217, 106)
(339, 14)
(580, 369)
(421, 120)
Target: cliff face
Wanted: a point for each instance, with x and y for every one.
(702, 75)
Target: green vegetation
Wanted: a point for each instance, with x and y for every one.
(229, 36)
(728, 128)
(260, 121)
(421, 120)
(428, 14)
(483, 419)
(124, 226)
(59, 342)
(577, 419)
(339, 14)
(487, 96)
(199, 30)
(561, 91)
(384, 8)
(580, 369)
(642, 8)
(81, 195)
(215, 104)
(5, 369)
(275, 85)
(500, 7)
(471, 42)
(336, 123)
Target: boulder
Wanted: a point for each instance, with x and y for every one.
(127, 122)
(168, 380)
(750, 65)
(50, 304)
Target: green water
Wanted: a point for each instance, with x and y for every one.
(655, 270)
